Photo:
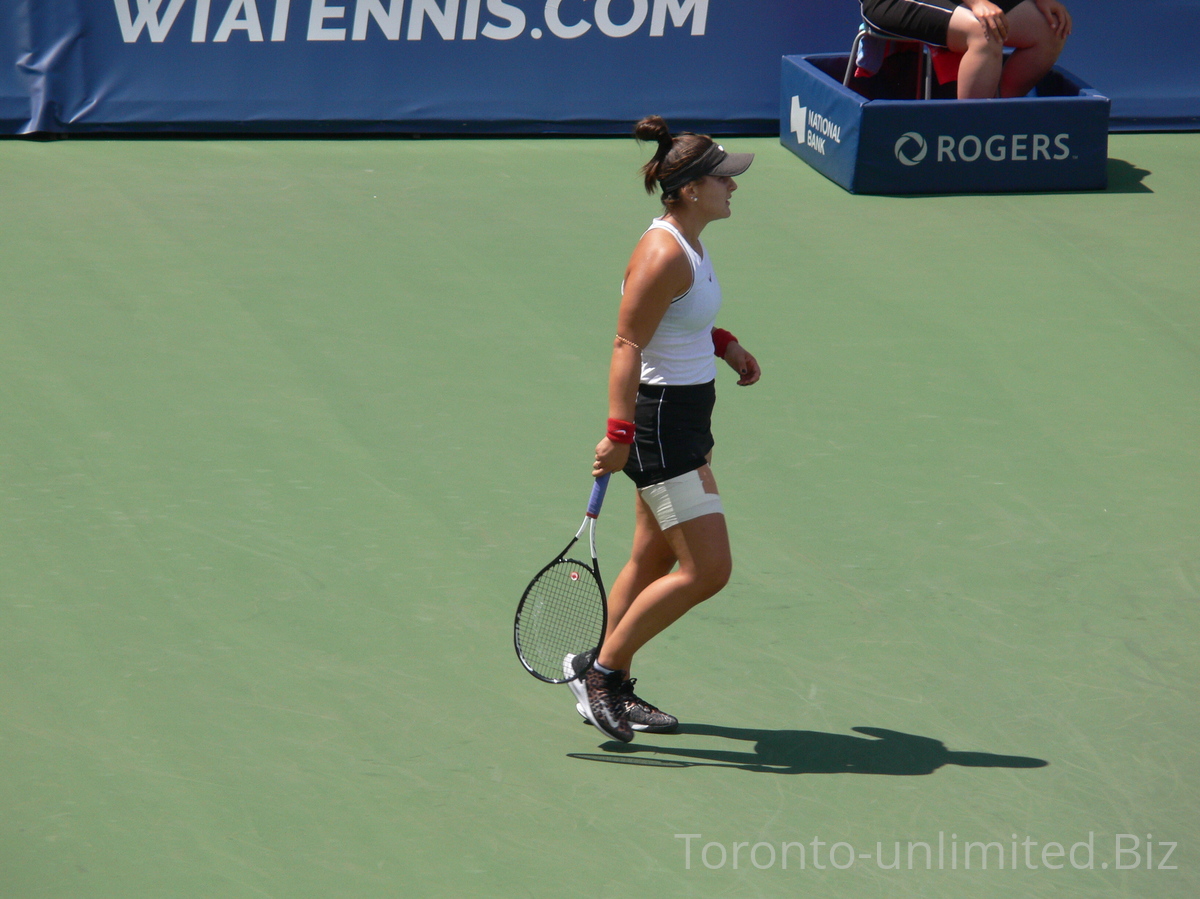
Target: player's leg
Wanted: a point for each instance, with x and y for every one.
(1037, 49)
(602, 696)
(650, 559)
(982, 62)
(702, 547)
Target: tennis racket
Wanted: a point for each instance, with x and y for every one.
(564, 609)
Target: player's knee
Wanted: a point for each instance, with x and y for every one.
(1044, 40)
(1054, 46)
(713, 575)
(979, 44)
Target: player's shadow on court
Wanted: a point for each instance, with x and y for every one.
(806, 752)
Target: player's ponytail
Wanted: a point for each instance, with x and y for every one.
(653, 128)
(675, 153)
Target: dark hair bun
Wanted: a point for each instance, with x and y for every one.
(653, 128)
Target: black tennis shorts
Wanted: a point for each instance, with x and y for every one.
(674, 431)
(918, 20)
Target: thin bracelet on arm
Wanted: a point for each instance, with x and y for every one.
(628, 342)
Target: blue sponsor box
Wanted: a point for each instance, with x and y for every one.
(1052, 141)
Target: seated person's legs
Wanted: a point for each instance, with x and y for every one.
(1036, 29)
(982, 56)
(1038, 32)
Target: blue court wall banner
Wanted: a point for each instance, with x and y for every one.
(494, 66)
(437, 66)
(15, 100)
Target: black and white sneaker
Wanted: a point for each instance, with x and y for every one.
(643, 716)
(599, 696)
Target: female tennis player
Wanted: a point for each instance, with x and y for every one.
(980, 30)
(660, 401)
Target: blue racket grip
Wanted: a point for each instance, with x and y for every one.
(597, 499)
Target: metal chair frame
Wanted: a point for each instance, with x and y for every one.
(925, 70)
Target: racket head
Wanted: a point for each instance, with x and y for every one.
(563, 611)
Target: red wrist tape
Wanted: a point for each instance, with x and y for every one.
(721, 340)
(620, 431)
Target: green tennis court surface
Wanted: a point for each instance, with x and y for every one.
(286, 426)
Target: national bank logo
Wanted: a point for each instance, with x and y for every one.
(911, 148)
(812, 129)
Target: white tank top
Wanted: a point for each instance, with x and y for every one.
(681, 351)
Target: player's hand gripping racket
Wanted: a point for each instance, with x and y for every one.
(564, 609)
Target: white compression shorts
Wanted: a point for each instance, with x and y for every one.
(683, 498)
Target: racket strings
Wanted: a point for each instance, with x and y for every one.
(562, 613)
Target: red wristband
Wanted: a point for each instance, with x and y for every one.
(721, 340)
(620, 431)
